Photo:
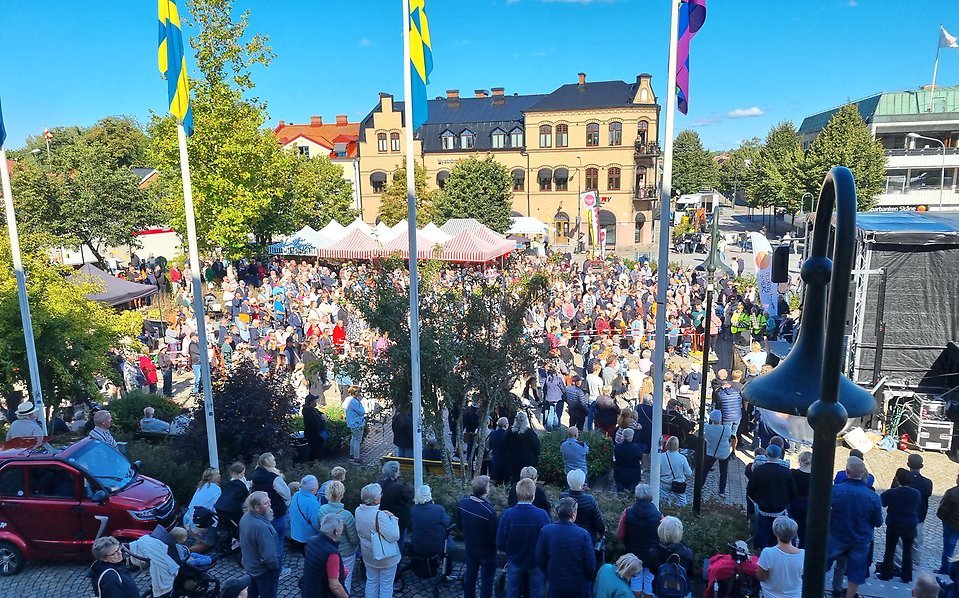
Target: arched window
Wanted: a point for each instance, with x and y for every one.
(394, 142)
(592, 134)
(561, 227)
(642, 130)
(562, 135)
(545, 178)
(381, 143)
(545, 136)
(561, 176)
(378, 180)
(616, 133)
(519, 179)
(516, 137)
(612, 179)
(441, 177)
(592, 179)
(498, 139)
(467, 139)
(448, 139)
(607, 221)
(640, 223)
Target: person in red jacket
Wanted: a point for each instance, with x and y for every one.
(339, 336)
(149, 370)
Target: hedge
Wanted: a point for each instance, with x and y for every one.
(551, 469)
(128, 411)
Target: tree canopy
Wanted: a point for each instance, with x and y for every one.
(846, 141)
(393, 202)
(734, 173)
(693, 165)
(776, 176)
(479, 189)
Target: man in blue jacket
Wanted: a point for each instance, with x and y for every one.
(565, 554)
(577, 402)
(518, 532)
(477, 518)
(856, 512)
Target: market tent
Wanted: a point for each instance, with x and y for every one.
(360, 225)
(116, 290)
(333, 231)
(527, 225)
(502, 246)
(467, 247)
(519, 239)
(399, 228)
(425, 247)
(383, 233)
(454, 226)
(433, 232)
(304, 242)
(356, 245)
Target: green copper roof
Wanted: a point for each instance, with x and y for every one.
(890, 104)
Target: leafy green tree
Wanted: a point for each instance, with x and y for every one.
(693, 165)
(320, 193)
(846, 141)
(74, 336)
(479, 189)
(85, 192)
(393, 204)
(776, 176)
(734, 173)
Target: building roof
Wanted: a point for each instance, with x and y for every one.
(890, 106)
(910, 228)
(591, 95)
(325, 134)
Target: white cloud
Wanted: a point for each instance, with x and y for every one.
(852, 4)
(746, 112)
(705, 121)
(365, 42)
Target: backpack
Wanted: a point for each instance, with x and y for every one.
(671, 579)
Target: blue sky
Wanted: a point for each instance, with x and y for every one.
(754, 63)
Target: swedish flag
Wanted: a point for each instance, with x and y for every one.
(172, 63)
(421, 60)
(3, 132)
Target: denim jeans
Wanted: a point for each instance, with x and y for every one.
(280, 524)
(356, 439)
(168, 383)
(264, 586)
(404, 452)
(590, 414)
(764, 537)
(349, 563)
(516, 576)
(723, 470)
(485, 570)
(379, 582)
(196, 379)
(950, 537)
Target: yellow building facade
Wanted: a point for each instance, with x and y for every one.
(583, 136)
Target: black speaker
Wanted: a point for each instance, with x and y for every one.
(780, 269)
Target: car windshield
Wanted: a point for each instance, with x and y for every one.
(106, 465)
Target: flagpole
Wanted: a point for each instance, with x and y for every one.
(198, 306)
(935, 69)
(414, 274)
(35, 391)
(662, 265)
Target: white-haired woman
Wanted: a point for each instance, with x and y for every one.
(369, 519)
(110, 577)
(719, 444)
(304, 511)
(430, 524)
(781, 566)
(521, 446)
(612, 581)
(350, 540)
(670, 533)
(673, 471)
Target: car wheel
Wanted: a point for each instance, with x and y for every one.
(11, 559)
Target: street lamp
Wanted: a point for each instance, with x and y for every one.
(809, 382)
(942, 176)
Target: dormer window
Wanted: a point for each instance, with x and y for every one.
(448, 139)
(498, 138)
(516, 137)
(467, 139)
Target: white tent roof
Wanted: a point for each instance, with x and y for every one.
(383, 233)
(434, 233)
(334, 231)
(359, 224)
(314, 238)
(527, 225)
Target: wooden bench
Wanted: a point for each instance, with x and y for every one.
(430, 466)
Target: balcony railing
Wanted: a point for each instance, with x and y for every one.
(651, 192)
(921, 151)
(646, 149)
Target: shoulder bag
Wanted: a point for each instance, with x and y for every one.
(382, 549)
(677, 486)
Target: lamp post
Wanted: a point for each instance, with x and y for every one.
(712, 263)
(942, 175)
(809, 381)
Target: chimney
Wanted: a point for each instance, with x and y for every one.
(481, 93)
(282, 124)
(498, 91)
(316, 121)
(452, 94)
(341, 119)
(582, 79)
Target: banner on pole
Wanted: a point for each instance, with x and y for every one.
(602, 243)
(763, 260)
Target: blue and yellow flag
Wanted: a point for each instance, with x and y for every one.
(3, 132)
(421, 60)
(172, 63)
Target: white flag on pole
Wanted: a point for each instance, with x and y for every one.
(946, 40)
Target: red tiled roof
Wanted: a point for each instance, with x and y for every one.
(325, 134)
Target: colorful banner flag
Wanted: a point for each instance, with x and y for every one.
(602, 243)
(763, 260)
(692, 15)
(172, 63)
(3, 131)
(421, 60)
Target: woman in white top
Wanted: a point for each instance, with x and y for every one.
(369, 518)
(780, 566)
(206, 495)
(673, 468)
(756, 356)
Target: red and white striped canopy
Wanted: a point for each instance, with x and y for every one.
(425, 246)
(357, 245)
(468, 247)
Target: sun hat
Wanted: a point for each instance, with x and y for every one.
(26, 408)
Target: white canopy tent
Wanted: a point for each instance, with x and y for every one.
(527, 226)
(334, 231)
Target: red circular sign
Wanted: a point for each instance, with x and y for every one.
(589, 200)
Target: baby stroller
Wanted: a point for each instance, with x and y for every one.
(732, 575)
(191, 581)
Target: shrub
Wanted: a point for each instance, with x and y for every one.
(335, 424)
(599, 460)
(163, 462)
(128, 411)
(711, 531)
(252, 416)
